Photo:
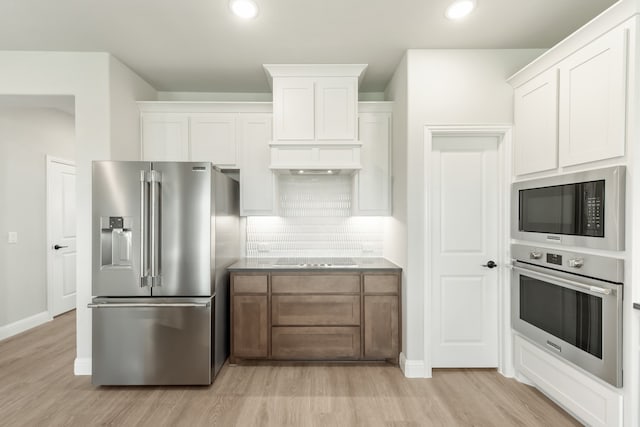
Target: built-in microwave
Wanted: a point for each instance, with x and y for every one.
(584, 209)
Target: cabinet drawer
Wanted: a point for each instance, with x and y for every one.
(381, 284)
(250, 284)
(315, 343)
(316, 284)
(315, 310)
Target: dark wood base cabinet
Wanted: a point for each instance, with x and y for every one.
(315, 316)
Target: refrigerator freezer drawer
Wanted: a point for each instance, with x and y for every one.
(152, 341)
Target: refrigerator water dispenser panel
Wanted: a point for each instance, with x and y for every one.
(116, 241)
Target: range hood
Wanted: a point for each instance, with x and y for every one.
(315, 117)
(315, 159)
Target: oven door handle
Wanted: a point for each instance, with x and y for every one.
(596, 289)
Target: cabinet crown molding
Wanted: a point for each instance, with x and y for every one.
(314, 70)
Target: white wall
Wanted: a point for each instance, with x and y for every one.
(395, 245)
(125, 88)
(443, 87)
(86, 76)
(27, 135)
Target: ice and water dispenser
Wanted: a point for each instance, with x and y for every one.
(116, 241)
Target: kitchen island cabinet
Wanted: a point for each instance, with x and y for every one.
(315, 314)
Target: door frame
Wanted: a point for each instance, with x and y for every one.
(49, 170)
(504, 134)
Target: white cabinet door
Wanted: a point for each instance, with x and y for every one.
(536, 124)
(592, 100)
(336, 108)
(165, 137)
(293, 108)
(213, 139)
(373, 181)
(256, 179)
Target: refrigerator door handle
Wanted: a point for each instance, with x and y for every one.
(155, 241)
(144, 230)
(150, 304)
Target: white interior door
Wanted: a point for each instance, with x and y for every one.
(464, 238)
(61, 230)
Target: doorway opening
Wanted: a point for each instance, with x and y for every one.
(33, 129)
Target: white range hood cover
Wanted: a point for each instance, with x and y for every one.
(290, 157)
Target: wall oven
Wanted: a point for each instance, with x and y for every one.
(580, 209)
(570, 304)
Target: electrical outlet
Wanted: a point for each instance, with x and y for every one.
(12, 237)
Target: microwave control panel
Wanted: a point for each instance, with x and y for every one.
(593, 205)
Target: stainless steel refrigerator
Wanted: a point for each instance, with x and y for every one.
(164, 234)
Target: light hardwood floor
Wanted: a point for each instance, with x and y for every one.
(37, 387)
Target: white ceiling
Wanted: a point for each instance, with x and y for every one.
(197, 45)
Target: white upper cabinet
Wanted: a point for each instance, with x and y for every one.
(213, 139)
(295, 109)
(592, 100)
(336, 108)
(536, 124)
(573, 108)
(165, 136)
(257, 181)
(315, 103)
(373, 181)
(198, 131)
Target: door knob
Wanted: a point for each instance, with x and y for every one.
(490, 264)
(56, 247)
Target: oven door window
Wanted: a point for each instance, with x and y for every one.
(573, 209)
(572, 316)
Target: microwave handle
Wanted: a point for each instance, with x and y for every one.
(596, 289)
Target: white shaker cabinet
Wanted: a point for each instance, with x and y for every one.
(315, 103)
(536, 124)
(213, 139)
(257, 181)
(336, 108)
(593, 100)
(574, 111)
(373, 182)
(294, 108)
(165, 136)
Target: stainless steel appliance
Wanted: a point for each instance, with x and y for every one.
(580, 209)
(570, 304)
(164, 234)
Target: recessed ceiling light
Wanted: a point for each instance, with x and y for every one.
(245, 9)
(460, 8)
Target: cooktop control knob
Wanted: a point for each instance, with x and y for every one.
(576, 262)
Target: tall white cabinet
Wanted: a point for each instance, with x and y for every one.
(372, 183)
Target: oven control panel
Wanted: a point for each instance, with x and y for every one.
(554, 259)
(581, 263)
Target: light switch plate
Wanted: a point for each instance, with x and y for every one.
(12, 237)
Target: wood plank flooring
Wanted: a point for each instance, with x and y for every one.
(37, 387)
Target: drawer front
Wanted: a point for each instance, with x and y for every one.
(315, 343)
(315, 310)
(178, 354)
(316, 284)
(381, 284)
(254, 284)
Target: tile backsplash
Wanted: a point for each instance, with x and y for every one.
(315, 221)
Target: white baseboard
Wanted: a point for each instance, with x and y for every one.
(82, 366)
(22, 325)
(412, 368)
